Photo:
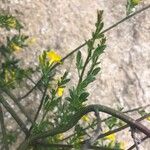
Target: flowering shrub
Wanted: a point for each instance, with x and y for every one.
(58, 113)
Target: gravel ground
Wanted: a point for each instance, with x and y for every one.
(65, 24)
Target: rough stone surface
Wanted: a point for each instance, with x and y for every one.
(65, 24)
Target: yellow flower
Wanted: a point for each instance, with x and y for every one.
(148, 118)
(81, 138)
(60, 91)
(31, 40)
(15, 47)
(122, 145)
(135, 2)
(85, 118)
(9, 75)
(53, 57)
(60, 136)
(11, 22)
(111, 137)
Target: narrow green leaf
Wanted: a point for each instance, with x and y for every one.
(79, 61)
(96, 71)
(83, 96)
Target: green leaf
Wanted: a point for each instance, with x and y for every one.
(87, 81)
(83, 96)
(79, 61)
(11, 138)
(79, 130)
(68, 99)
(99, 50)
(64, 82)
(131, 4)
(46, 99)
(71, 93)
(65, 75)
(96, 71)
(78, 58)
(111, 122)
(99, 28)
(50, 105)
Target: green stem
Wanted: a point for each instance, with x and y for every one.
(84, 67)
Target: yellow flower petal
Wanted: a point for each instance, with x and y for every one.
(111, 137)
(122, 145)
(11, 22)
(6, 75)
(53, 57)
(135, 2)
(60, 91)
(60, 136)
(31, 41)
(15, 47)
(9, 75)
(85, 118)
(148, 118)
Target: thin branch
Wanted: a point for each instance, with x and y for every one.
(98, 129)
(30, 91)
(92, 140)
(14, 115)
(88, 109)
(67, 146)
(126, 18)
(74, 119)
(136, 109)
(33, 82)
(3, 129)
(39, 108)
(84, 67)
(103, 120)
(134, 138)
(15, 100)
(123, 127)
(142, 140)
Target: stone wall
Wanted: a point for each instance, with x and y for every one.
(65, 24)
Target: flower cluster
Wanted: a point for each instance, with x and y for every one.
(9, 22)
(53, 57)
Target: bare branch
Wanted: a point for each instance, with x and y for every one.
(15, 100)
(123, 127)
(14, 115)
(88, 109)
(3, 129)
(39, 108)
(134, 138)
(74, 119)
(67, 146)
(142, 140)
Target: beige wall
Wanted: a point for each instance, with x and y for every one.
(65, 24)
